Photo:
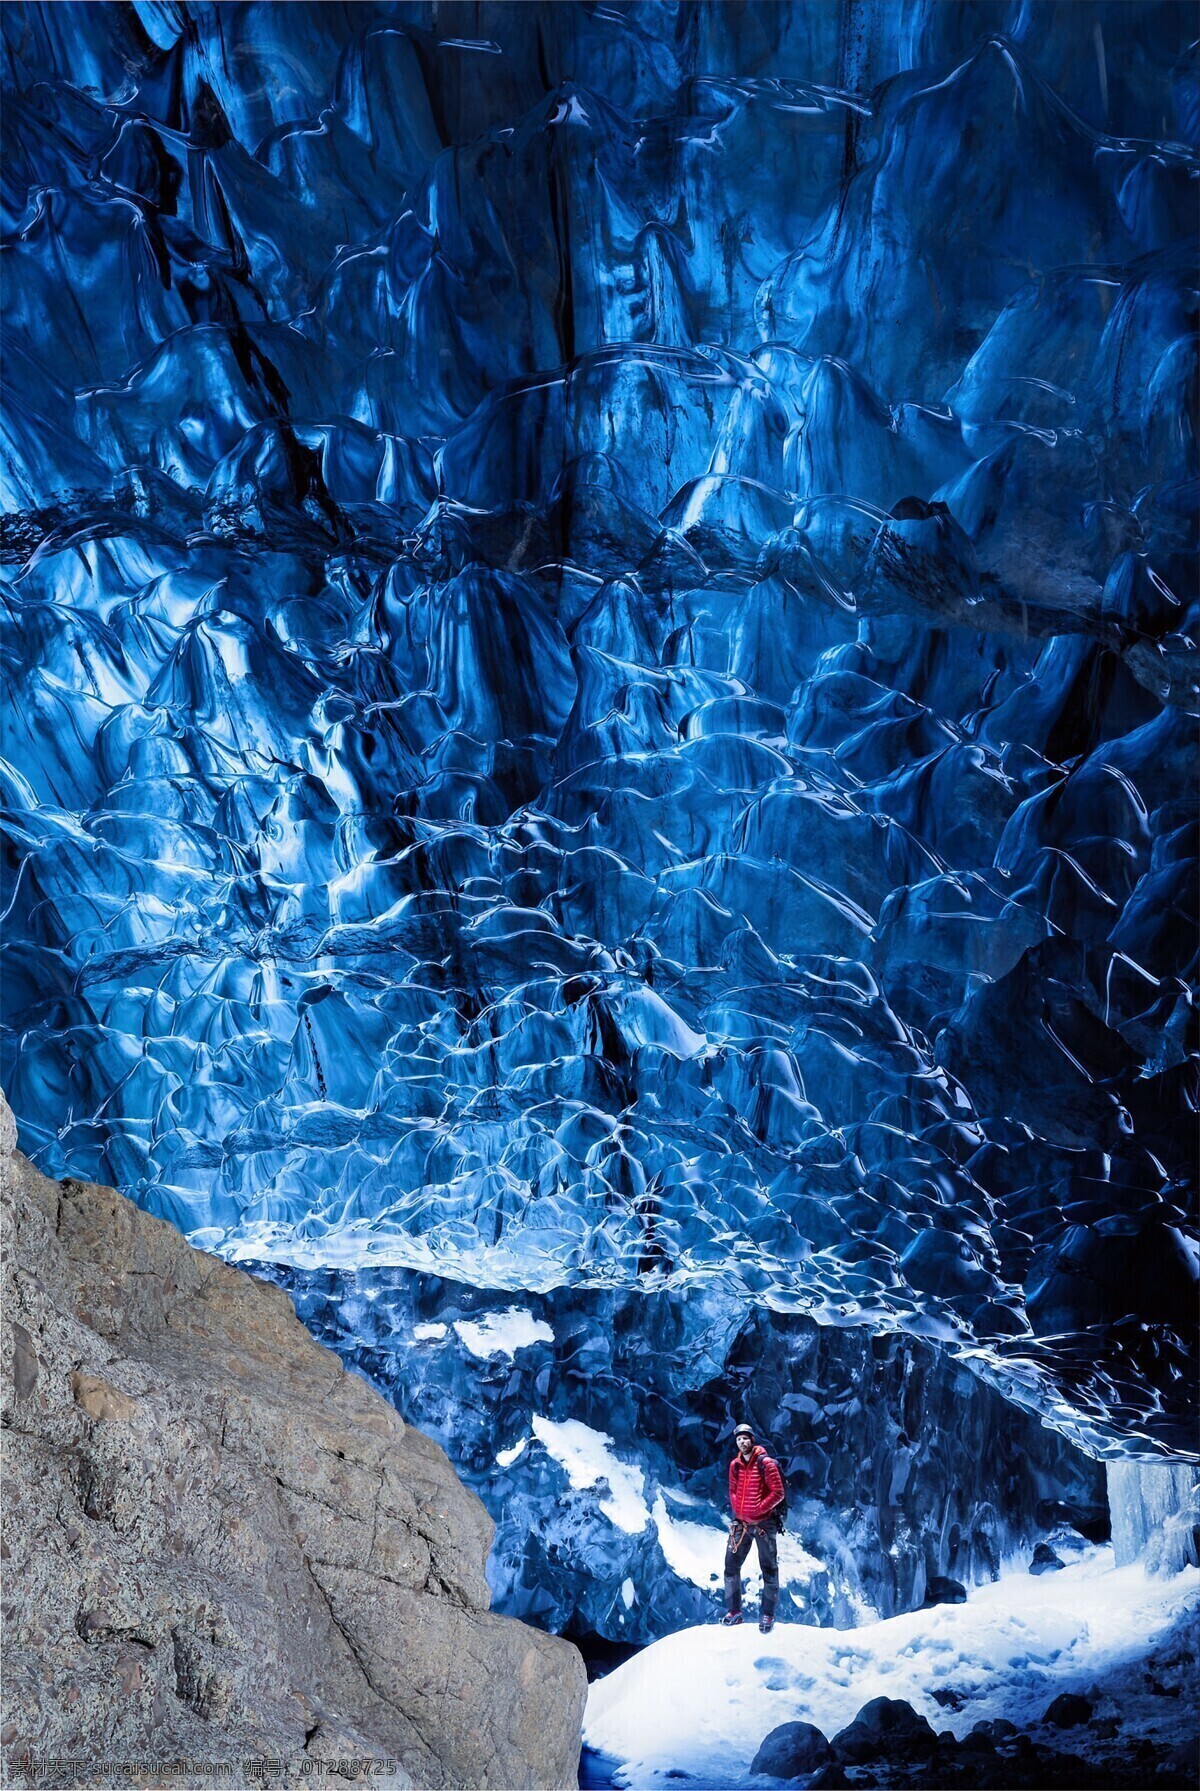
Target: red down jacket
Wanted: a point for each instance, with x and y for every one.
(755, 1486)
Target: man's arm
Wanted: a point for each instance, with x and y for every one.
(774, 1481)
(735, 1522)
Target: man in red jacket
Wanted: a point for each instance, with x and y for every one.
(755, 1491)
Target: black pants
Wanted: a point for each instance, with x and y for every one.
(740, 1538)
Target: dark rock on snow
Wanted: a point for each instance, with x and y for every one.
(1068, 1710)
(996, 1728)
(791, 1749)
(830, 1778)
(885, 1726)
(1044, 1560)
(1020, 1766)
(942, 1590)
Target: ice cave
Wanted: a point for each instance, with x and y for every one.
(599, 748)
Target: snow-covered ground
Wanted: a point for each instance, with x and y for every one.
(700, 1702)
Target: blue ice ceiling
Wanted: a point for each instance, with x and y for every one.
(600, 637)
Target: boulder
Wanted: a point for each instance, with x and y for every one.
(996, 1728)
(221, 1546)
(1181, 1762)
(942, 1590)
(1044, 1560)
(791, 1749)
(1068, 1710)
(884, 1727)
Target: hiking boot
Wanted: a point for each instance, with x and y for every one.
(730, 1618)
(766, 1622)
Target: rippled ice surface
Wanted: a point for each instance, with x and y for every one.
(601, 652)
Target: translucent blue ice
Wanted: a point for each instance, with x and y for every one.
(600, 635)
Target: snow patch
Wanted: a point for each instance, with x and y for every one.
(502, 1333)
(429, 1333)
(506, 1457)
(588, 1456)
(692, 1551)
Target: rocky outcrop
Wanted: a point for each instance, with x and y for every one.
(220, 1546)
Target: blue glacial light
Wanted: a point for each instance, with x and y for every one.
(600, 639)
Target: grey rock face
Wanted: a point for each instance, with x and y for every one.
(221, 1546)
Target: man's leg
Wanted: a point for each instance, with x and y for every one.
(768, 1560)
(736, 1550)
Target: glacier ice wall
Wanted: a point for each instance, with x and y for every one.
(600, 650)
(1155, 1513)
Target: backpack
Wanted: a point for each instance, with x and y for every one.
(780, 1513)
